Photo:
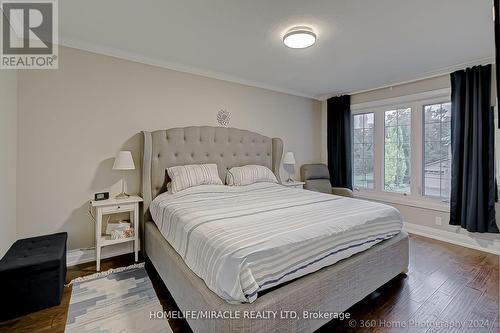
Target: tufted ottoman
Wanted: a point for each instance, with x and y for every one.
(32, 275)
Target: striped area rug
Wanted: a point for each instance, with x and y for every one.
(118, 300)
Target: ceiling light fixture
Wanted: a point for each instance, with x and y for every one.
(299, 37)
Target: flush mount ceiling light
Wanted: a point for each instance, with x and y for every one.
(299, 38)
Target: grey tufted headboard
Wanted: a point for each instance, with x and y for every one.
(227, 147)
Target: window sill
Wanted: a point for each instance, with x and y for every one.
(400, 199)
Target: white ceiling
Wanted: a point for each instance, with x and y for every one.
(362, 44)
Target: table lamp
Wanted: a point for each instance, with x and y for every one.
(123, 161)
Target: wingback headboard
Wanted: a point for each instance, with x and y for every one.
(227, 147)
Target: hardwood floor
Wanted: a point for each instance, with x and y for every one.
(447, 285)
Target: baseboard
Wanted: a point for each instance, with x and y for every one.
(81, 256)
(457, 238)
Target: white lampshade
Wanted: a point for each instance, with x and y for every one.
(124, 161)
(289, 158)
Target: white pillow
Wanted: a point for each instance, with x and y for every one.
(185, 176)
(249, 174)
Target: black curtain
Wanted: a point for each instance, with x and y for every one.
(497, 44)
(339, 141)
(472, 203)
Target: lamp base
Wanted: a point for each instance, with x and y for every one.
(122, 195)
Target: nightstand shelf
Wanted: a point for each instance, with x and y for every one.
(116, 206)
(106, 240)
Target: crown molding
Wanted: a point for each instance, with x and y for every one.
(427, 75)
(134, 57)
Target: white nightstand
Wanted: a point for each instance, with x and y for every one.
(113, 206)
(294, 184)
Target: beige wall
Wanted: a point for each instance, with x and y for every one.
(436, 83)
(416, 87)
(73, 120)
(8, 158)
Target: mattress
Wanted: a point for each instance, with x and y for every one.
(244, 240)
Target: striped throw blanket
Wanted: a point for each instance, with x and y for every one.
(244, 239)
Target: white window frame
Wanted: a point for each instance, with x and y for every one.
(416, 102)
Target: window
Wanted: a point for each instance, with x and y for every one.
(363, 150)
(402, 149)
(437, 150)
(397, 150)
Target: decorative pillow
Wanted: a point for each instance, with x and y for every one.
(185, 176)
(249, 174)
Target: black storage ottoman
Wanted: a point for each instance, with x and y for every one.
(32, 275)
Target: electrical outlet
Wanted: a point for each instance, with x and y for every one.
(439, 220)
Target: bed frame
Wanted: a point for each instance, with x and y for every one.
(332, 289)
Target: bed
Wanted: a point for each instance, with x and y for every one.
(329, 284)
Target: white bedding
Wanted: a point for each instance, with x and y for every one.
(243, 240)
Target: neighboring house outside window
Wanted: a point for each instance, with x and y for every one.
(437, 150)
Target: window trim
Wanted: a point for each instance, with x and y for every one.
(410, 201)
(415, 101)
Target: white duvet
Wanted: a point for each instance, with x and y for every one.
(244, 239)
